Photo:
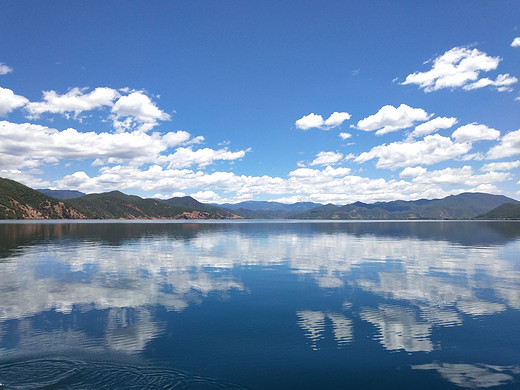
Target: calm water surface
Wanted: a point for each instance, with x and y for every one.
(260, 305)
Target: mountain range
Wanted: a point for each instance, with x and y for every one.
(18, 201)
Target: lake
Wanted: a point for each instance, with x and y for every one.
(259, 305)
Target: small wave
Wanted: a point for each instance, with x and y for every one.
(65, 374)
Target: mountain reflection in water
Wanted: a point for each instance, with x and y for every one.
(436, 302)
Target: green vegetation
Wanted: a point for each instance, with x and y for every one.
(61, 194)
(21, 202)
(462, 206)
(505, 211)
(116, 205)
(188, 201)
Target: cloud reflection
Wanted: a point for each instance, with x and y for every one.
(314, 325)
(126, 269)
(399, 329)
(472, 375)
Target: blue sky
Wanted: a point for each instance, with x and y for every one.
(329, 101)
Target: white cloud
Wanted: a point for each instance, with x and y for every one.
(413, 172)
(328, 185)
(389, 119)
(4, 69)
(316, 121)
(186, 157)
(474, 132)
(26, 177)
(74, 101)
(509, 146)
(169, 196)
(516, 42)
(487, 188)
(207, 197)
(136, 107)
(477, 156)
(46, 143)
(336, 119)
(327, 158)
(325, 174)
(9, 101)
(464, 176)
(459, 67)
(501, 166)
(433, 125)
(345, 136)
(433, 149)
(309, 121)
(503, 83)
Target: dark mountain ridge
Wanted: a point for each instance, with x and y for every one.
(268, 210)
(463, 206)
(504, 211)
(18, 201)
(265, 205)
(61, 194)
(21, 202)
(188, 201)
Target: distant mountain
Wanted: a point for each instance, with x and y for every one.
(21, 202)
(61, 194)
(505, 211)
(188, 201)
(116, 205)
(263, 205)
(462, 206)
(268, 210)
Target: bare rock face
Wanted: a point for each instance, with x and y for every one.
(46, 209)
(194, 215)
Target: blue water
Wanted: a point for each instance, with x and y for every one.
(260, 305)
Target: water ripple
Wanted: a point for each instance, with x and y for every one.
(75, 374)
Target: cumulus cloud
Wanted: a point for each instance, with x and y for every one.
(516, 42)
(460, 67)
(327, 185)
(509, 146)
(327, 158)
(345, 136)
(433, 125)
(501, 166)
(316, 121)
(49, 143)
(409, 172)
(169, 196)
(433, 149)
(503, 83)
(74, 101)
(474, 132)
(26, 177)
(9, 101)
(390, 118)
(186, 157)
(134, 111)
(464, 176)
(4, 69)
(207, 197)
(136, 107)
(328, 172)
(336, 119)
